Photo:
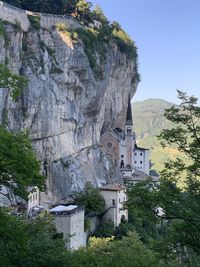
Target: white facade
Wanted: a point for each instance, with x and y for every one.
(69, 220)
(33, 198)
(115, 196)
(141, 159)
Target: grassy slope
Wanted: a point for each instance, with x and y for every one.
(148, 123)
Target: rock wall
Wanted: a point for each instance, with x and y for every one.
(18, 16)
(64, 107)
(13, 15)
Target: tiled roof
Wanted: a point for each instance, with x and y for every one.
(113, 187)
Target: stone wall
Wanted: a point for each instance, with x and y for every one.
(16, 15)
(48, 20)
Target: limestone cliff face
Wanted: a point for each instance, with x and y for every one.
(64, 107)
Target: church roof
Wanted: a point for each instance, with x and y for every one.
(129, 119)
(113, 187)
(117, 131)
(141, 148)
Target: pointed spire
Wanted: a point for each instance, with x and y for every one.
(129, 119)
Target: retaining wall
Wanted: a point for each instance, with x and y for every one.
(16, 15)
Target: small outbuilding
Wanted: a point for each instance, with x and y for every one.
(69, 220)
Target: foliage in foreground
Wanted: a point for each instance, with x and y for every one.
(105, 252)
(91, 199)
(28, 244)
(175, 231)
(35, 243)
(19, 167)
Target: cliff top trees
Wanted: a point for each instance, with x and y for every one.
(46, 6)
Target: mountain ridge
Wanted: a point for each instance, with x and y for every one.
(149, 121)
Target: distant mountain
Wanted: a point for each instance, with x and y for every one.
(149, 121)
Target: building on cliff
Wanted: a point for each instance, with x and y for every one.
(120, 144)
(114, 196)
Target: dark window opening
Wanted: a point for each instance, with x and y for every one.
(109, 145)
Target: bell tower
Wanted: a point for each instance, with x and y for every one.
(129, 134)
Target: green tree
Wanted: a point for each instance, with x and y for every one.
(16, 3)
(70, 6)
(83, 9)
(99, 15)
(19, 167)
(105, 229)
(176, 229)
(34, 243)
(91, 198)
(129, 251)
(46, 6)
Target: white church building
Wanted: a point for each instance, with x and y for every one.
(121, 145)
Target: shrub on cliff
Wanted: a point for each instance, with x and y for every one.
(123, 41)
(11, 81)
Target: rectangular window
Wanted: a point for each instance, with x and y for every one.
(113, 202)
(140, 154)
(140, 162)
(135, 162)
(135, 154)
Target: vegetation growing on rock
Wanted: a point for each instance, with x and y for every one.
(96, 40)
(15, 83)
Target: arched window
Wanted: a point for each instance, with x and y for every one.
(109, 145)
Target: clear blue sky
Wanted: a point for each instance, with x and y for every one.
(167, 34)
